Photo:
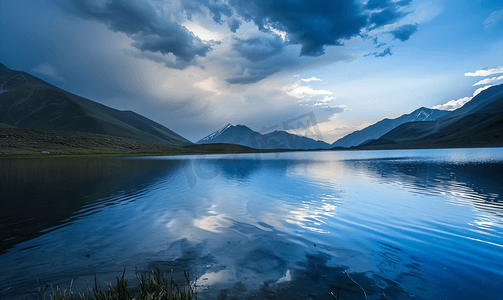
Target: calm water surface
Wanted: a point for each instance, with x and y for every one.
(414, 223)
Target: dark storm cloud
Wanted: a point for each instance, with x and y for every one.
(234, 24)
(385, 12)
(149, 31)
(248, 77)
(258, 48)
(379, 4)
(386, 16)
(259, 70)
(217, 9)
(313, 25)
(263, 65)
(386, 51)
(404, 32)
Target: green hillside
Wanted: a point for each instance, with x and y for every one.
(28, 102)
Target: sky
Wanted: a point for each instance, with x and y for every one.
(196, 65)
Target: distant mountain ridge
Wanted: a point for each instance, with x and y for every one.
(29, 102)
(477, 123)
(380, 128)
(242, 135)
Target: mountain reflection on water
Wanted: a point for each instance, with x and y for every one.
(422, 223)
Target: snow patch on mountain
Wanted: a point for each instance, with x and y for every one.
(422, 112)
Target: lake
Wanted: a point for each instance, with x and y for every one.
(426, 224)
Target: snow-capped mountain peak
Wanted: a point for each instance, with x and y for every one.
(218, 132)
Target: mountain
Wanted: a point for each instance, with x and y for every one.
(378, 129)
(478, 123)
(231, 134)
(242, 135)
(29, 102)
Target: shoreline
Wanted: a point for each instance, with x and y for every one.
(40, 155)
(17, 143)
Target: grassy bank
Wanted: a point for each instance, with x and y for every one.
(32, 143)
(152, 286)
(18, 143)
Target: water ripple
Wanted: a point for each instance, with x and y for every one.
(417, 221)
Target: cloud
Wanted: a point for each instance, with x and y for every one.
(493, 19)
(210, 37)
(247, 77)
(488, 80)
(256, 38)
(255, 59)
(98, 62)
(486, 72)
(169, 60)
(253, 74)
(146, 26)
(258, 48)
(216, 8)
(381, 4)
(334, 109)
(233, 24)
(376, 42)
(313, 27)
(308, 97)
(211, 85)
(303, 92)
(404, 32)
(331, 109)
(386, 16)
(385, 52)
(49, 71)
(326, 99)
(311, 79)
(455, 104)
(426, 11)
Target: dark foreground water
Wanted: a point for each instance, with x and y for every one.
(400, 224)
